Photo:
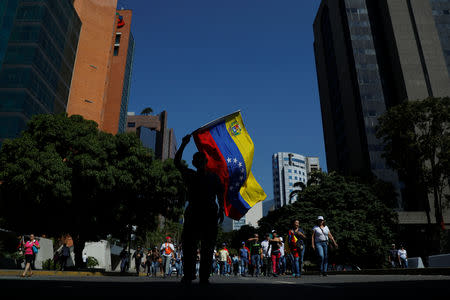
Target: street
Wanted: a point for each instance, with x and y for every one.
(309, 286)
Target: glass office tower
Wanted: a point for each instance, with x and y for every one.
(38, 45)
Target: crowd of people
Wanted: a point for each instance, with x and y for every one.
(158, 261)
(270, 256)
(398, 258)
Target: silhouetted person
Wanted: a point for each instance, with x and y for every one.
(202, 213)
(65, 253)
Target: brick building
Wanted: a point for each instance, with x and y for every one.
(154, 134)
(102, 72)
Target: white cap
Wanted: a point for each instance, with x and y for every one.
(320, 218)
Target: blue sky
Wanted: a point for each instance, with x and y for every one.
(202, 59)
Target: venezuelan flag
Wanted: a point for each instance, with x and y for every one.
(229, 150)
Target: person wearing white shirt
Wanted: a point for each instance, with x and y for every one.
(403, 257)
(320, 236)
(265, 246)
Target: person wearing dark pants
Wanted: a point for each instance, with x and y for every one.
(65, 253)
(202, 214)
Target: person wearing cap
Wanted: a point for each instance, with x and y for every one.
(393, 256)
(320, 236)
(167, 253)
(256, 254)
(244, 256)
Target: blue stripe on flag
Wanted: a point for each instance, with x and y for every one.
(236, 166)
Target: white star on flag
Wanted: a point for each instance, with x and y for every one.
(228, 160)
(235, 160)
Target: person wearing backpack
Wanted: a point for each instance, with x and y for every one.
(167, 253)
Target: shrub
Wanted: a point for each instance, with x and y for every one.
(92, 262)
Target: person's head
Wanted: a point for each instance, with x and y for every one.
(274, 233)
(31, 237)
(393, 246)
(224, 245)
(402, 247)
(296, 223)
(243, 244)
(267, 236)
(199, 160)
(320, 220)
(169, 239)
(256, 236)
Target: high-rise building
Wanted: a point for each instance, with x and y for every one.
(251, 218)
(154, 134)
(268, 206)
(38, 45)
(441, 12)
(372, 55)
(288, 169)
(102, 73)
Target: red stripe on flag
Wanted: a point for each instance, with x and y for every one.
(216, 162)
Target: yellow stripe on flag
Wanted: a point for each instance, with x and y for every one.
(251, 191)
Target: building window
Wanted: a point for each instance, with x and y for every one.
(116, 50)
(118, 36)
(131, 124)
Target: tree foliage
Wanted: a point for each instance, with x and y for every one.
(63, 175)
(147, 111)
(359, 216)
(416, 135)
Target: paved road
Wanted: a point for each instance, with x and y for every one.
(233, 288)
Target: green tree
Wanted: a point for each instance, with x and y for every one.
(63, 175)
(147, 111)
(360, 219)
(416, 135)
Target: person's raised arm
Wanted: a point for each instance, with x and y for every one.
(179, 154)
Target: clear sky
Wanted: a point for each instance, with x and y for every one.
(202, 59)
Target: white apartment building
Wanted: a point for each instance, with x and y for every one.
(252, 217)
(289, 168)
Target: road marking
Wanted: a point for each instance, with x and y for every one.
(285, 282)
